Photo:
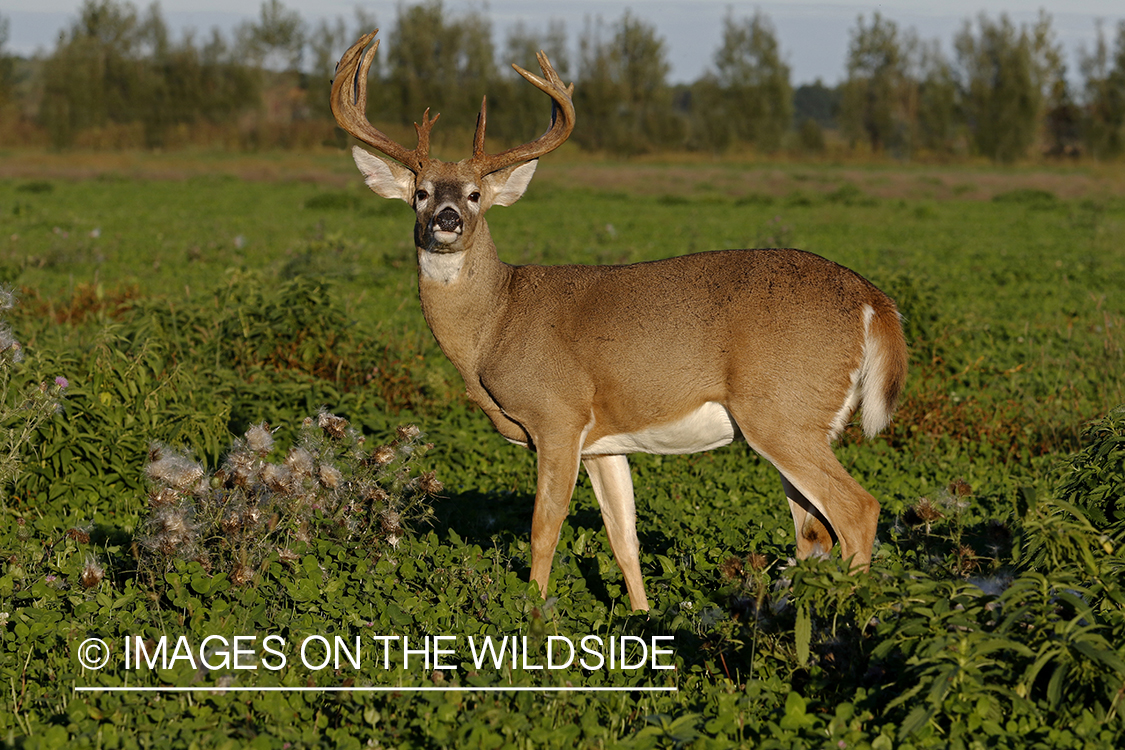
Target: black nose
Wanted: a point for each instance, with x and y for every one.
(447, 220)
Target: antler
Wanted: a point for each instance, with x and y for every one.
(562, 122)
(349, 106)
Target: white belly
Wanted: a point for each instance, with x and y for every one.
(710, 426)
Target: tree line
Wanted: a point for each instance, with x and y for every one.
(116, 78)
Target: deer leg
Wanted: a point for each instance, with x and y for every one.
(818, 478)
(558, 471)
(814, 538)
(826, 503)
(613, 486)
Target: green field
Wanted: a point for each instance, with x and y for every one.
(185, 300)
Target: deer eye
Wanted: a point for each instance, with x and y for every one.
(474, 197)
(421, 195)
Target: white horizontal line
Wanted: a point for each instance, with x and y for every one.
(282, 689)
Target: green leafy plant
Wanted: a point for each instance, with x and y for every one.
(1095, 481)
(23, 407)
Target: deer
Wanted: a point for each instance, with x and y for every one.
(586, 364)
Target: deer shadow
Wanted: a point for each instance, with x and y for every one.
(500, 519)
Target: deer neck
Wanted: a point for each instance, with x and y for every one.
(463, 295)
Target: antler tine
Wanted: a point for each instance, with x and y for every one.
(562, 122)
(478, 136)
(349, 106)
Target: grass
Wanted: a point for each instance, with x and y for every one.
(185, 303)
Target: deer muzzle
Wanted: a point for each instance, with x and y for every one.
(448, 220)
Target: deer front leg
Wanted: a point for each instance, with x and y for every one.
(558, 471)
(613, 486)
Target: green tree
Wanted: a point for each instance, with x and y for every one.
(277, 40)
(938, 100)
(226, 87)
(88, 79)
(117, 67)
(622, 96)
(6, 63)
(756, 96)
(878, 97)
(1007, 74)
(709, 118)
(326, 43)
(441, 62)
(817, 102)
(1103, 113)
(518, 111)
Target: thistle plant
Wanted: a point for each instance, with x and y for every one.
(22, 408)
(328, 485)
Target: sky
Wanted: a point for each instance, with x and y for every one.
(813, 35)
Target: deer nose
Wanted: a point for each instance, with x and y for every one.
(448, 220)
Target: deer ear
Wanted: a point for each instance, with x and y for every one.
(506, 186)
(387, 178)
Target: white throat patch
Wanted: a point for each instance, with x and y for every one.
(444, 268)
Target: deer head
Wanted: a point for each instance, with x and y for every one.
(449, 198)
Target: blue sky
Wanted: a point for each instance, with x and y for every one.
(813, 35)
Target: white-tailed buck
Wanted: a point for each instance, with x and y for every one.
(586, 364)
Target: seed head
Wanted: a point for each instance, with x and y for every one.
(259, 439)
(251, 516)
(376, 495)
(162, 496)
(407, 432)
(279, 478)
(330, 476)
(391, 521)
(171, 530)
(731, 568)
(383, 455)
(241, 574)
(926, 511)
(960, 488)
(82, 536)
(173, 469)
(300, 461)
(242, 466)
(333, 426)
(92, 573)
(429, 484)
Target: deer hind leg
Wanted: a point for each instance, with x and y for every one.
(826, 503)
(613, 486)
(814, 536)
(852, 514)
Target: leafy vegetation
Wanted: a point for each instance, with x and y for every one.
(184, 313)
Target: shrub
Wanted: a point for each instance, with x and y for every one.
(328, 485)
(1096, 482)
